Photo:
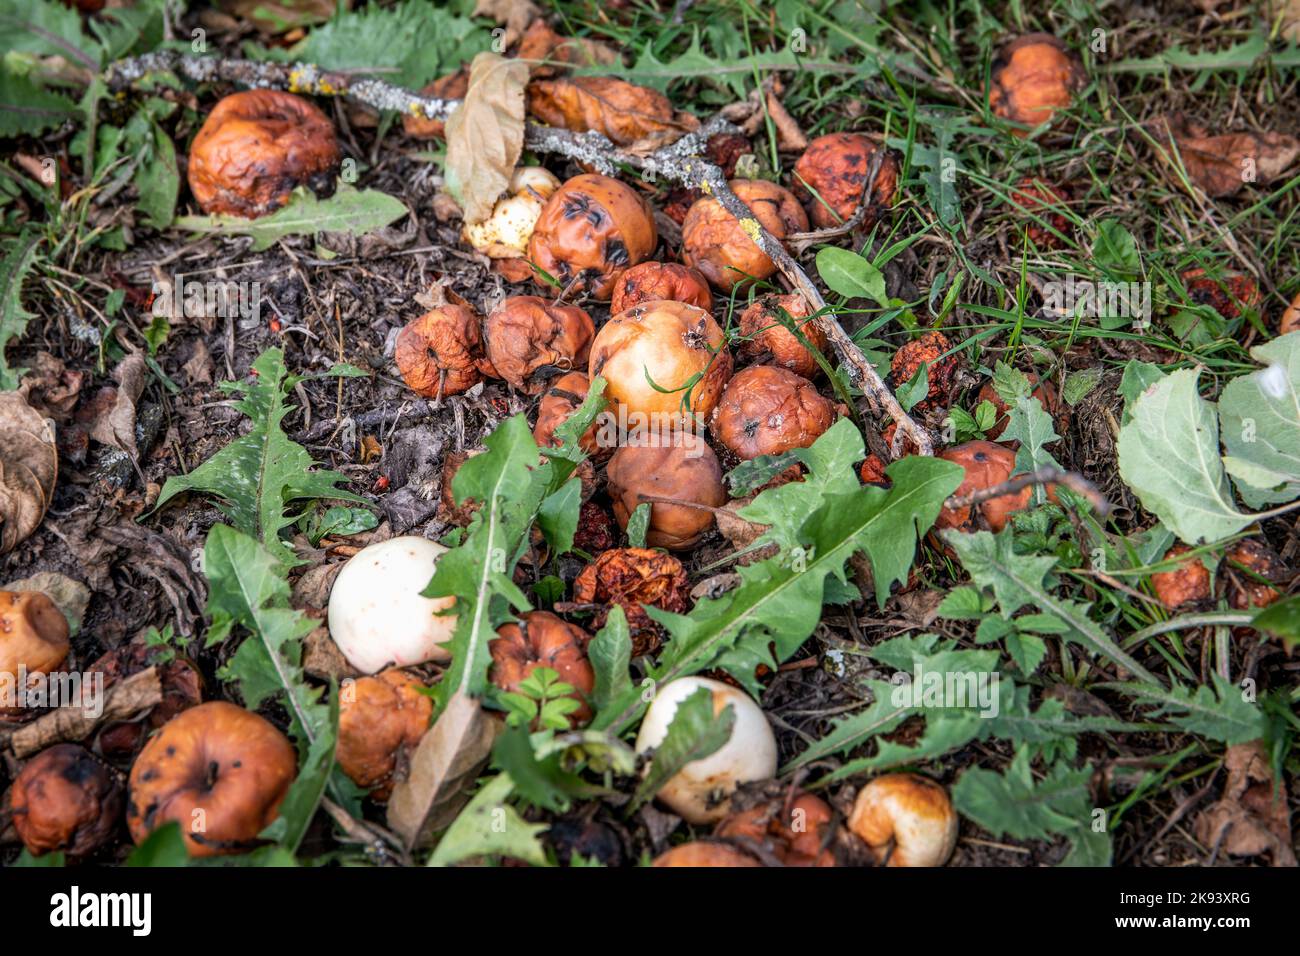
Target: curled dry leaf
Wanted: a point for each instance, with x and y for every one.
(449, 756)
(1222, 164)
(1252, 816)
(514, 15)
(485, 135)
(634, 117)
(124, 701)
(29, 465)
(116, 426)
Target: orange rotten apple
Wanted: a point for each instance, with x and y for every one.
(381, 721)
(592, 228)
(681, 467)
(1042, 391)
(1187, 583)
(832, 173)
(706, 854)
(722, 249)
(767, 410)
(905, 820)
(766, 339)
(442, 352)
(987, 465)
(1290, 318)
(529, 340)
(1032, 77)
(561, 399)
(653, 281)
(798, 832)
(33, 639)
(255, 148)
(661, 359)
(1257, 575)
(542, 639)
(219, 771)
(930, 349)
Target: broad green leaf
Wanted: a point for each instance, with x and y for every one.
(349, 210)
(258, 474)
(851, 275)
(1137, 378)
(638, 524)
(1115, 251)
(557, 516)
(1169, 456)
(1282, 620)
(1259, 415)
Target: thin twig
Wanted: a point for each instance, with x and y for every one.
(1046, 475)
(679, 162)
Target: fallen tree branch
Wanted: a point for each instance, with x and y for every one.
(679, 162)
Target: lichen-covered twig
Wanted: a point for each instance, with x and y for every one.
(679, 162)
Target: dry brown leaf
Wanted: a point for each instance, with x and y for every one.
(122, 701)
(545, 50)
(51, 388)
(29, 466)
(485, 135)
(1252, 817)
(514, 15)
(790, 137)
(1221, 165)
(635, 117)
(116, 426)
(449, 757)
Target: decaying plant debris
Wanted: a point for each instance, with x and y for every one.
(866, 455)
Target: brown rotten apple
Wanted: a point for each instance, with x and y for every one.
(65, 798)
(1229, 294)
(381, 721)
(1290, 318)
(931, 350)
(592, 228)
(1257, 576)
(255, 147)
(33, 637)
(529, 340)
(832, 173)
(634, 578)
(767, 411)
(766, 338)
(1032, 77)
(219, 771)
(681, 467)
(441, 352)
(715, 243)
(182, 688)
(706, 854)
(661, 359)
(541, 639)
(987, 465)
(1038, 199)
(653, 281)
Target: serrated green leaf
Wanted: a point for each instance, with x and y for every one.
(15, 268)
(489, 826)
(610, 653)
(638, 524)
(258, 474)
(557, 516)
(350, 210)
(27, 108)
(1220, 713)
(247, 588)
(1018, 580)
